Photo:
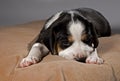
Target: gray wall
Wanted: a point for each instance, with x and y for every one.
(21, 11)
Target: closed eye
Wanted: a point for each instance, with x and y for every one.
(64, 40)
(87, 40)
(66, 43)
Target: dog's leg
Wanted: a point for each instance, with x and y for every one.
(37, 52)
(94, 59)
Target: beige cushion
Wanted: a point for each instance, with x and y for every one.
(13, 47)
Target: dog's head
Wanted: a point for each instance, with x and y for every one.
(71, 34)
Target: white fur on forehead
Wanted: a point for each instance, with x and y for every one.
(76, 28)
(53, 19)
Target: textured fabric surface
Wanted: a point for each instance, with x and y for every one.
(13, 47)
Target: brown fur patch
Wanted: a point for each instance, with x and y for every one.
(84, 37)
(58, 48)
(70, 39)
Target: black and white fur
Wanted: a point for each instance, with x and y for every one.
(83, 25)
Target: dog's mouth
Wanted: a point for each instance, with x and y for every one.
(81, 59)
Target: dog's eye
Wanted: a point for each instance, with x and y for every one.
(65, 44)
(88, 40)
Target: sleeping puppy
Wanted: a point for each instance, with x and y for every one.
(72, 34)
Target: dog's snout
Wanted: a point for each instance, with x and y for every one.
(79, 57)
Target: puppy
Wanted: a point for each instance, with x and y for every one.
(72, 34)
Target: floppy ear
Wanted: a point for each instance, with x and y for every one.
(55, 27)
(52, 42)
(91, 29)
(93, 33)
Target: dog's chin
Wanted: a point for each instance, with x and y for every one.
(83, 59)
(70, 56)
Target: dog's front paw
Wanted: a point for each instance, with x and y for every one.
(94, 60)
(28, 61)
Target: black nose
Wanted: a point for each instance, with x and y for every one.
(81, 59)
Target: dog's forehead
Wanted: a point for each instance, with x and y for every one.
(76, 29)
(58, 16)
